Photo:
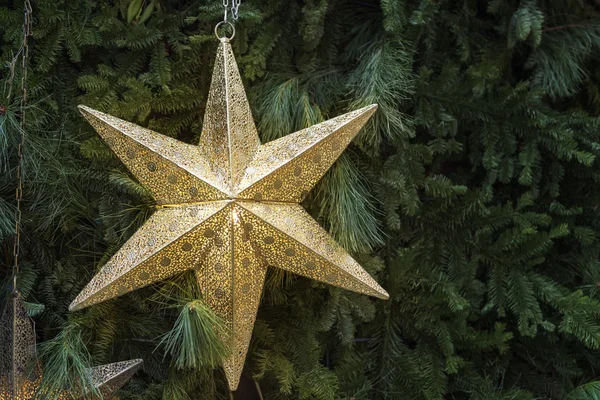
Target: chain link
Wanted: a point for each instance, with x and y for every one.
(234, 6)
(27, 27)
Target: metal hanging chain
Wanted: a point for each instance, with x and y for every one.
(27, 28)
(235, 6)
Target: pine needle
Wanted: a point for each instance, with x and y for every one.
(65, 361)
(195, 341)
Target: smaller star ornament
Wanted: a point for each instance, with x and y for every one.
(228, 208)
(21, 375)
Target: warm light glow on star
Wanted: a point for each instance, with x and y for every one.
(228, 208)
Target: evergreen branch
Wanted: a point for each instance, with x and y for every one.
(195, 340)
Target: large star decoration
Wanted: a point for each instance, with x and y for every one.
(21, 375)
(228, 208)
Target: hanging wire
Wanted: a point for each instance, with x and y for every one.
(24, 52)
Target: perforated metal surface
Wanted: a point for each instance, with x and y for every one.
(229, 138)
(243, 217)
(106, 378)
(20, 373)
(26, 391)
(109, 378)
(17, 352)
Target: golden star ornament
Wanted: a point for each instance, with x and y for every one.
(21, 374)
(228, 208)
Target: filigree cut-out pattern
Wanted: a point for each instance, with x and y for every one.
(228, 208)
(20, 373)
(17, 351)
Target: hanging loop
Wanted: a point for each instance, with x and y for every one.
(221, 24)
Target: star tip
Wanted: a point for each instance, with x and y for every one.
(383, 295)
(74, 307)
(372, 108)
(368, 111)
(233, 380)
(134, 364)
(86, 111)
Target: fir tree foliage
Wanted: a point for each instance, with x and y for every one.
(471, 195)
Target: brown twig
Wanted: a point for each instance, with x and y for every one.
(260, 395)
(557, 28)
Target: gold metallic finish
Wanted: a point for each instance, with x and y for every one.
(229, 138)
(173, 171)
(26, 391)
(109, 378)
(17, 351)
(287, 168)
(244, 216)
(20, 373)
(156, 251)
(308, 250)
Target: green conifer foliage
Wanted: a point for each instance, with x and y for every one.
(472, 195)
